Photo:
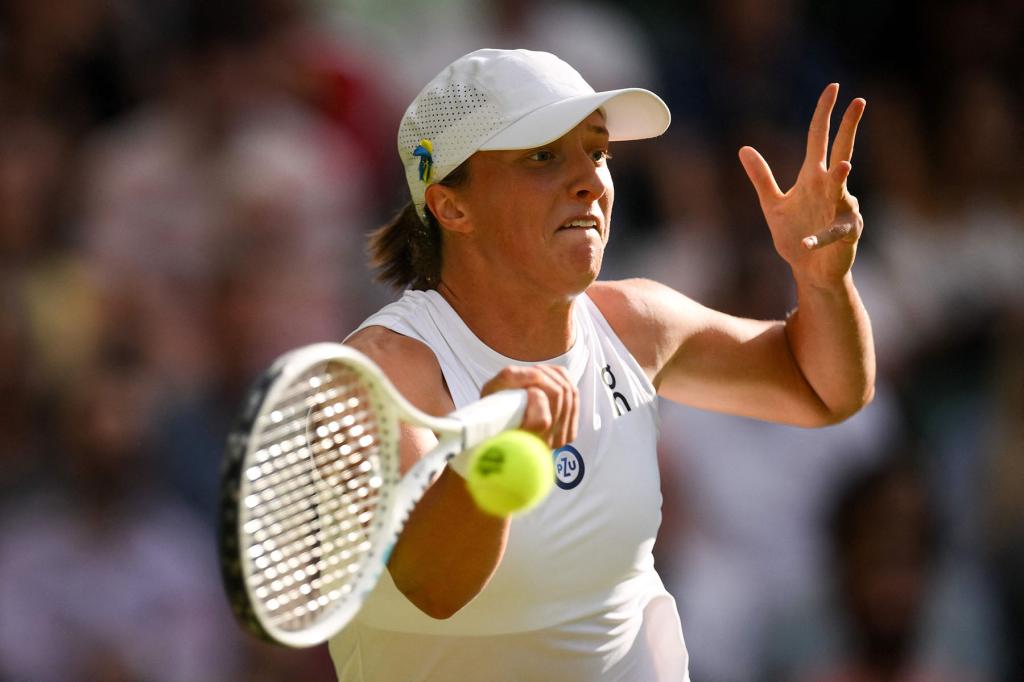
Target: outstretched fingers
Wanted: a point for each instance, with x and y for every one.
(817, 133)
(760, 176)
(842, 148)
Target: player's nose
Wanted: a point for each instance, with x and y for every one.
(586, 182)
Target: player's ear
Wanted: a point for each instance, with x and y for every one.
(446, 205)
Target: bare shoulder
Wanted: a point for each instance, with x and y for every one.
(643, 306)
(630, 297)
(651, 319)
(410, 365)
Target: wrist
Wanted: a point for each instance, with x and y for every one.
(806, 282)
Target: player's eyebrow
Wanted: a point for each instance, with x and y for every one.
(601, 130)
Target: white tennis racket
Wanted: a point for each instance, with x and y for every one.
(312, 499)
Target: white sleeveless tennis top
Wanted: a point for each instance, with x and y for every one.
(576, 596)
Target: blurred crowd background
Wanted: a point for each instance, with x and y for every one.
(185, 188)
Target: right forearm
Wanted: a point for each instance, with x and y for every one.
(449, 549)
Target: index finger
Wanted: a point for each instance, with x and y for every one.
(817, 133)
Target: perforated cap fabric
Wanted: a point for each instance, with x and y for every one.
(510, 99)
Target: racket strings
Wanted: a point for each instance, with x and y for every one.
(313, 491)
(278, 453)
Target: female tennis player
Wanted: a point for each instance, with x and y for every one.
(506, 156)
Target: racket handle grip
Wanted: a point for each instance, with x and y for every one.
(491, 415)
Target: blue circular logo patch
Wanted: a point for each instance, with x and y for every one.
(568, 467)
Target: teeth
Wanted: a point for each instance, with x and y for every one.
(581, 223)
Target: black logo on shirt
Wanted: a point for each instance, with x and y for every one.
(619, 400)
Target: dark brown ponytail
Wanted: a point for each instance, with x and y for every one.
(406, 252)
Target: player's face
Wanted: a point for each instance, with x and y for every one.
(544, 213)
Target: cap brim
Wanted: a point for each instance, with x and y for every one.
(631, 114)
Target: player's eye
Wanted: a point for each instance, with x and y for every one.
(541, 155)
(600, 155)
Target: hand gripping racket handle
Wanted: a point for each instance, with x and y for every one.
(490, 415)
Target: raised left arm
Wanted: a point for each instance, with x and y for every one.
(753, 368)
(815, 227)
(813, 369)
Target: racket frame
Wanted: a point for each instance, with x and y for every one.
(398, 494)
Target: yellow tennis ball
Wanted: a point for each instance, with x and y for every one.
(510, 473)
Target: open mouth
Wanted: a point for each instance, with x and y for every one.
(579, 224)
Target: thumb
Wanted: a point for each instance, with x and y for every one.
(760, 175)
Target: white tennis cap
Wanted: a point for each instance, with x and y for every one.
(510, 99)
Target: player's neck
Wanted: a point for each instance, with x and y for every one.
(517, 324)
